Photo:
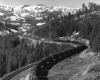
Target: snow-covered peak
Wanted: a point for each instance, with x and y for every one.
(5, 8)
(18, 8)
(36, 8)
(16, 13)
(65, 9)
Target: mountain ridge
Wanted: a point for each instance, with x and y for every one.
(34, 7)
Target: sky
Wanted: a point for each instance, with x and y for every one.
(49, 3)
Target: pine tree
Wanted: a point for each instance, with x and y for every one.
(96, 43)
(95, 30)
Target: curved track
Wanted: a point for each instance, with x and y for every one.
(41, 68)
(46, 64)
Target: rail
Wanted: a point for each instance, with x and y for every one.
(40, 70)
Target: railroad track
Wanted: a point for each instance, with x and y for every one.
(41, 68)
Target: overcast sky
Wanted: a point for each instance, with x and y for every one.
(49, 3)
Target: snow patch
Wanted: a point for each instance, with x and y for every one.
(39, 24)
(13, 18)
(22, 29)
(1, 14)
(15, 23)
(24, 14)
(4, 32)
(15, 31)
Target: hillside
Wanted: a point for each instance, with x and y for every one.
(29, 33)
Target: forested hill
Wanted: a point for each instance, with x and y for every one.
(86, 22)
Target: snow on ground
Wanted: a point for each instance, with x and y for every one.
(1, 14)
(18, 8)
(4, 32)
(35, 8)
(22, 29)
(24, 14)
(39, 24)
(13, 18)
(15, 31)
(15, 23)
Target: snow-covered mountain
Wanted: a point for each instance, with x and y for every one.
(27, 16)
(20, 13)
(37, 10)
